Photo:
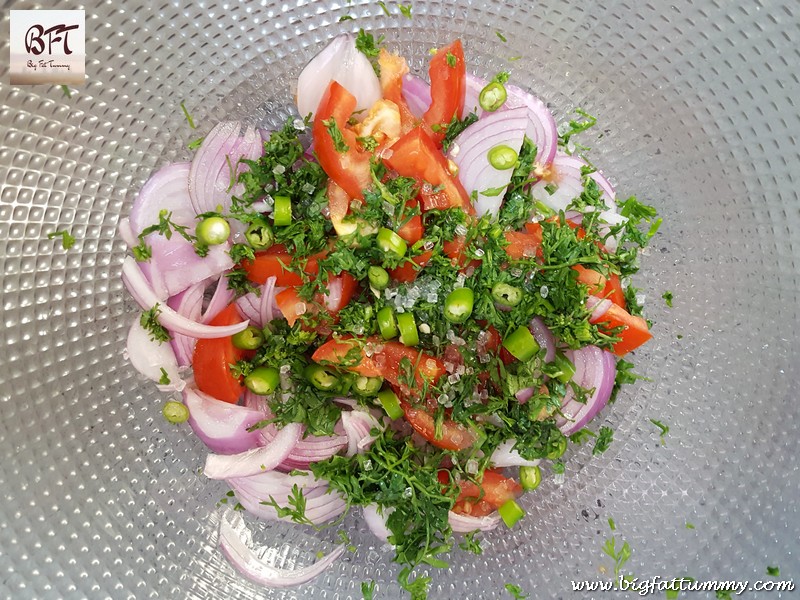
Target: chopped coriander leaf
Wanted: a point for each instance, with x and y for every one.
(576, 126)
(611, 524)
(384, 9)
(513, 58)
(369, 47)
(581, 436)
(195, 144)
(604, 438)
(471, 544)
(405, 10)
(689, 525)
(619, 555)
(667, 296)
(368, 143)
(66, 91)
(664, 429)
(723, 595)
(336, 135)
(624, 376)
(368, 590)
(451, 60)
(149, 321)
(773, 571)
(418, 589)
(295, 509)
(515, 591)
(240, 284)
(67, 241)
(345, 18)
(455, 128)
(187, 115)
(164, 380)
(501, 36)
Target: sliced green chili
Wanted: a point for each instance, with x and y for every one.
(249, 339)
(407, 326)
(321, 378)
(511, 513)
(521, 344)
(458, 305)
(175, 412)
(391, 404)
(493, 96)
(389, 241)
(387, 324)
(367, 386)
(507, 295)
(378, 277)
(502, 157)
(263, 380)
(259, 235)
(530, 477)
(282, 211)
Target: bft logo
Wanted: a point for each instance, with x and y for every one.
(48, 46)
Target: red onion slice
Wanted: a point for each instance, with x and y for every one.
(466, 524)
(541, 128)
(167, 189)
(470, 152)
(339, 61)
(376, 520)
(544, 337)
(505, 456)
(566, 176)
(210, 174)
(357, 426)
(222, 298)
(220, 425)
(257, 460)
(125, 231)
(144, 295)
(149, 357)
(236, 543)
(598, 306)
(417, 94)
(593, 370)
(176, 266)
(189, 303)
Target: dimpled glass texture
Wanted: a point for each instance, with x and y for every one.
(698, 114)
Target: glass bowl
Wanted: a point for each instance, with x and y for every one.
(698, 115)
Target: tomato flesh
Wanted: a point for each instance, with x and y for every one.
(448, 77)
(454, 435)
(634, 329)
(212, 358)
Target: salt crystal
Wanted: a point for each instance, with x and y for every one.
(640, 299)
(425, 328)
(300, 308)
(408, 492)
(299, 124)
(436, 284)
(449, 367)
(308, 188)
(479, 252)
(454, 150)
(460, 370)
(368, 465)
(461, 230)
(432, 297)
(428, 245)
(453, 378)
(285, 369)
(460, 281)
(388, 207)
(278, 169)
(544, 291)
(436, 340)
(471, 467)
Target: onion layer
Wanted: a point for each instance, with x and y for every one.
(150, 357)
(376, 521)
(505, 456)
(257, 460)
(222, 426)
(466, 524)
(144, 295)
(236, 543)
(594, 369)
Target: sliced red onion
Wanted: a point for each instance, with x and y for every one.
(594, 369)
(150, 357)
(544, 337)
(216, 163)
(598, 306)
(251, 491)
(189, 303)
(167, 189)
(339, 61)
(505, 456)
(541, 128)
(257, 460)
(375, 518)
(310, 449)
(334, 296)
(221, 426)
(357, 426)
(524, 394)
(417, 94)
(144, 295)
(236, 543)
(222, 298)
(268, 307)
(471, 149)
(175, 265)
(566, 177)
(126, 232)
(466, 524)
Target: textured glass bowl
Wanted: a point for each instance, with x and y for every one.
(697, 105)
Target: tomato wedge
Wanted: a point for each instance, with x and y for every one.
(385, 362)
(448, 75)
(495, 490)
(613, 291)
(591, 278)
(412, 230)
(416, 155)
(274, 262)
(408, 271)
(393, 68)
(341, 289)
(454, 435)
(212, 358)
(634, 329)
(349, 168)
(523, 244)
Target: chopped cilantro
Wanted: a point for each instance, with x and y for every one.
(604, 438)
(667, 296)
(501, 36)
(515, 591)
(773, 571)
(576, 126)
(455, 127)
(67, 241)
(187, 115)
(384, 9)
(345, 18)
(66, 91)
(164, 377)
(405, 10)
(336, 135)
(619, 555)
(195, 144)
(664, 429)
(471, 544)
(369, 47)
(451, 60)
(149, 321)
(367, 589)
(689, 525)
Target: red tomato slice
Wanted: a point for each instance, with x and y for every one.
(393, 67)
(454, 435)
(274, 262)
(349, 169)
(523, 244)
(448, 76)
(412, 231)
(497, 490)
(613, 291)
(212, 358)
(593, 279)
(383, 363)
(292, 306)
(408, 271)
(634, 333)
(416, 155)
(341, 289)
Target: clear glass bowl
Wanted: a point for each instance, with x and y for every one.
(697, 106)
